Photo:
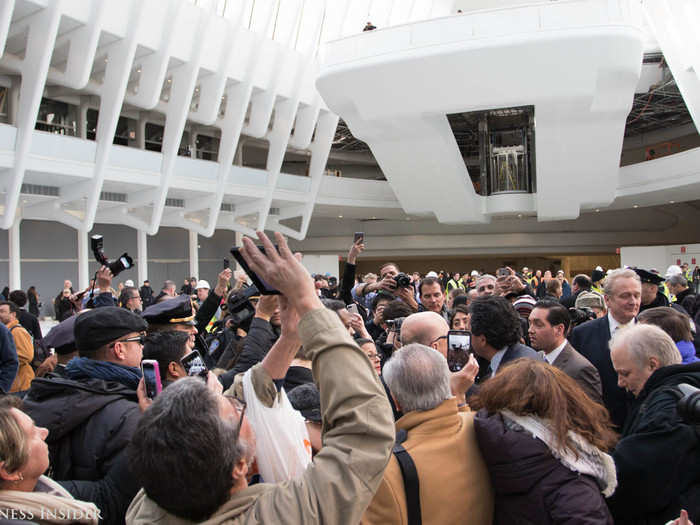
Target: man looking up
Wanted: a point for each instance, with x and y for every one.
(622, 294)
(549, 324)
(658, 455)
(92, 412)
(358, 431)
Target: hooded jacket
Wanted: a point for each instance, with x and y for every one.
(658, 456)
(531, 486)
(90, 423)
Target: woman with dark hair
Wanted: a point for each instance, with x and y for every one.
(544, 443)
(33, 300)
(676, 325)
(460, 318)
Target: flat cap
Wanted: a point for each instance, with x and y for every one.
(173, 311)
(100, 326)
(648, 277)
(589, 300)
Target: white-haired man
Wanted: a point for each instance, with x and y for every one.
(623, 293)
(658, 457)
(439, 440)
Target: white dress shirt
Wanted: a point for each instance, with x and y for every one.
(552, 356)
(614, 325)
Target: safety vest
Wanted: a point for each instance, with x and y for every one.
(452, 284)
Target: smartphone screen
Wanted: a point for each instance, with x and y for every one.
(352, 308)
(194, 364)
(227, 264)
(458, 348)
(151, 377)
(358, 236)
(503, 272)
(259, 282)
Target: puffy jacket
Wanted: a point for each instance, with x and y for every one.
(90, 423)
(531, 486)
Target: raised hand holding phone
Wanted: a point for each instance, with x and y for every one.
(283, 271)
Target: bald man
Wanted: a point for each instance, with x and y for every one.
(430, 329)
(426, 328)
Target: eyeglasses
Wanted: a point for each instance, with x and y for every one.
(135, 297)
(436, 340)
(240, 407)
(140, 339)
(373, 356)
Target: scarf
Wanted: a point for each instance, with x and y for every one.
(50, 503)
(591, 460)
(84, 368)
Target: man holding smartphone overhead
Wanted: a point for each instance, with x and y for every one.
(358, 430)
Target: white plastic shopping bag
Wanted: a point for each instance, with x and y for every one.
(283, 448)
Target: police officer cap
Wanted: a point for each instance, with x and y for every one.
(171, 311)
(648, 277)
(100, 326)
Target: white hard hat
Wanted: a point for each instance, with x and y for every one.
(474, 273)
(128, 282)
(674, 269)
(202, 284)
(431, 274)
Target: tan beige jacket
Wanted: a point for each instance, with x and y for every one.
(454, 483)
(358, 433)
(25, 354)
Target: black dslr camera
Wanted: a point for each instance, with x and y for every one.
(689, 405)
(122, 263)
(402, 280)
(240, 309)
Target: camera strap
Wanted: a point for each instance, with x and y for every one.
(410, 479)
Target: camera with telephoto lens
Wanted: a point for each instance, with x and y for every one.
(124, 262)
(689, 405)
(402, 280)
(580, 315)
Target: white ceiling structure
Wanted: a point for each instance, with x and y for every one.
(578, 62)
(251, 68)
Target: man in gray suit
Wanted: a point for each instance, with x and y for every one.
(495, 328)
(549, 323)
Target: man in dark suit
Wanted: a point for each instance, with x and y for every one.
(495, 328)
(549, 323)
(623, 295)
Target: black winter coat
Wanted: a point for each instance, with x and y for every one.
(531, 486)
(257, 343)
(90, 424)
(658, 456)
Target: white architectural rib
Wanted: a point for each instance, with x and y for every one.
(43, 27)
(184, 80)
(677, 37)
(6, 9)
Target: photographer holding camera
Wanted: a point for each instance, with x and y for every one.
(392, 281)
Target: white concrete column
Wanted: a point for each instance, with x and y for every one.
(238, 241)
(14, 256)
(82, 118)
(194, 254)
(141, 256)
(13, 100)
(141, 131)
(83, 268)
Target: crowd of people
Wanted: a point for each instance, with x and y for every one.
(512, 397)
